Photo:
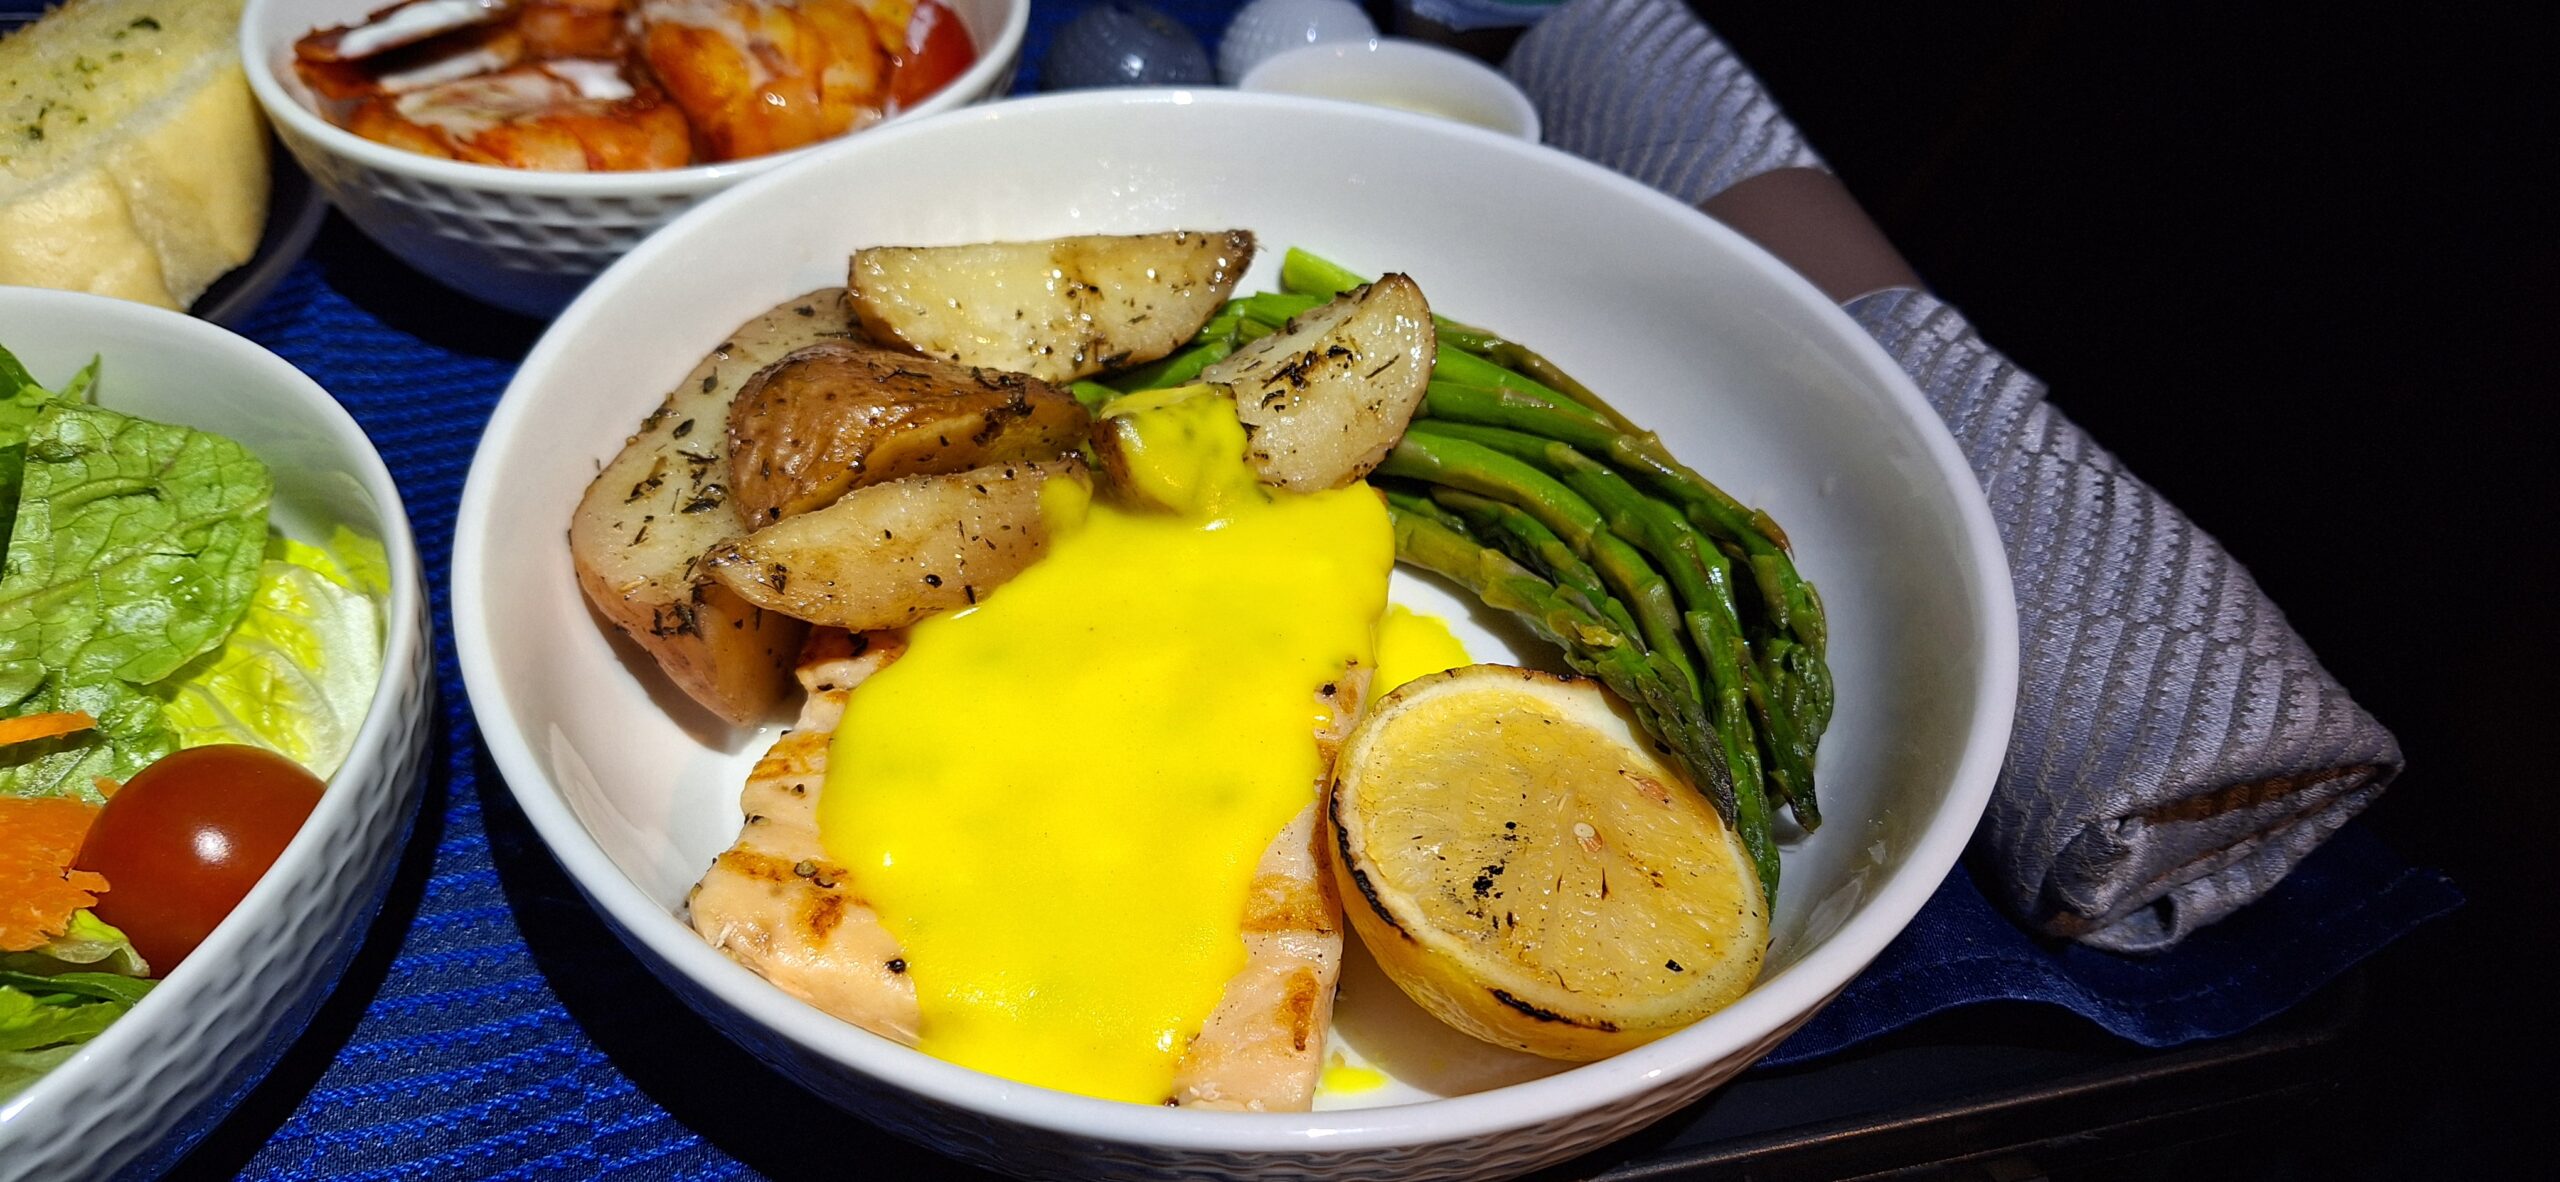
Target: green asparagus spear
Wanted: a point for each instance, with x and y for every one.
(1274, 308)
(1455, 365)
(1419, 505)
(1793, 713)
(1525, 540)
(1703, 580)
(1592, 646)
(1456, 463)
(1091, 393)
(1789, 599)
(1465, 349)
(1772, 669)
(1309, 275)
(1530, 363)
(1532, 544)
(1182, 366)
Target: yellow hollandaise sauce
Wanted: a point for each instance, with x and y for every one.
(1056, 799)
(1342, 1077)
(1412, 645)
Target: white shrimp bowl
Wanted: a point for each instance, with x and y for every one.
(525, 241)
(1744, 369)
(139, 1094)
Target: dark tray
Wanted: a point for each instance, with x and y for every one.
(2005, 1091)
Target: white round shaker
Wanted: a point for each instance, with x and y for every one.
(1265, 27)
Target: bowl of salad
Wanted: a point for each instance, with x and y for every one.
(215, 704)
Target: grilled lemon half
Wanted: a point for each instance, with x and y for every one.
(1523, 863)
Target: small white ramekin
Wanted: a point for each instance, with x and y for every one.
(1405, 74)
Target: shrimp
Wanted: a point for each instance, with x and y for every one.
(535, 84)
(421, 43)
(557, 116)
(617, 84)
(759, 76)
(576, 28)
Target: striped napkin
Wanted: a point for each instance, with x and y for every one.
(2178, 748)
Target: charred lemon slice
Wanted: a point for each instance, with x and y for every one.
(1524, 864)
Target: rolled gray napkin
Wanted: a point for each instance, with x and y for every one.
(2177, 748)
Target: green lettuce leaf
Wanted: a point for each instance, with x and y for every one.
(297, 675)
(45, 1020)
(135, 550)
(115, 987)
(87, 945)
(21, 396)
(131, 733)
(32, 1020)
(18, 1069)
(58, 997)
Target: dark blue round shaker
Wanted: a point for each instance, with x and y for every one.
(1124, 43)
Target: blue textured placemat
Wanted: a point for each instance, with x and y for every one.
(492, 1027)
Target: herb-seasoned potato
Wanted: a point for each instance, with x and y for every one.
(838, 414)
(1324, 398)
(638, 535)
(1060, 309)
(887, 555)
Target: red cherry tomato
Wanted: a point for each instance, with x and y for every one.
(184, 839)
(938, 50)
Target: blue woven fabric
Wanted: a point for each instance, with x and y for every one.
(493, 1028)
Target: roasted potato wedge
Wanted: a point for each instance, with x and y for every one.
(638, 534)
(890, 554)
(1059, 309)
(1326, 397)
(838, 414)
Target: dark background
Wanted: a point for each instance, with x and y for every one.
(2294, 268)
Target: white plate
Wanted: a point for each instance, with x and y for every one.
(1743, 367)
(165, 1072)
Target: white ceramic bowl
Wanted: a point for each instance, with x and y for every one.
(1407, 75)
(139, 1094)
(1743, 367)
(525, 241)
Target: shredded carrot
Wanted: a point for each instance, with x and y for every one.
(38, 888)
(44, 726)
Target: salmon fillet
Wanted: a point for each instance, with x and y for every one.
(774, 903)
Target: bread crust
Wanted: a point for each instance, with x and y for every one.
(140, 165)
